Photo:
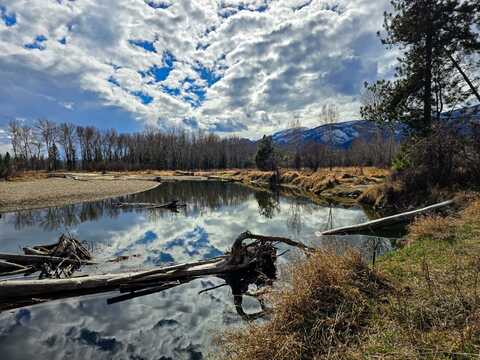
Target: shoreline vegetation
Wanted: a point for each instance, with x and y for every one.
(421, 301)
(41, 189)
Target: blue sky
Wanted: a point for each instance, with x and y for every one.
(233, 67)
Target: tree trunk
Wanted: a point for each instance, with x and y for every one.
(427, 96)
(465, 77)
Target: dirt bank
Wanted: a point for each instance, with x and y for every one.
(40, 193)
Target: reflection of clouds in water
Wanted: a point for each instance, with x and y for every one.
(177, 323)
(168, 324)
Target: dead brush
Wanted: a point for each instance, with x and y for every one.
(325, 309)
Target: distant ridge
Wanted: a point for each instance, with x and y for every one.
(344, 133)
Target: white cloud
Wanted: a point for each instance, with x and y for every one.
(275, 59)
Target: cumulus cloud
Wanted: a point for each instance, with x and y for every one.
(244, 67)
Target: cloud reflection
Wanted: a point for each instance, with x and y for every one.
(177, 323)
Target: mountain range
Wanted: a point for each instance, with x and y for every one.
(343, 134)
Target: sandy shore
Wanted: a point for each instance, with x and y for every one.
(41, 193)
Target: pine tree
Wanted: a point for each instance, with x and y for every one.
(297, 160)
(265, 156)
(436, 38)
(7, 166)
(2, 165)
(53, 157)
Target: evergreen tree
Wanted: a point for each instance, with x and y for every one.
(265, 156)
(7, 166)
(297, 160)
(436, 39)
(2, 166)
(53, 157)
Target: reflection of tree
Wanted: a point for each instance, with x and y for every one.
(268, 203)
(198, 195)
(329, 224)
(294, 220)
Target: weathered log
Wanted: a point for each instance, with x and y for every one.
(33, 251)
(254, 258)
(171, 205)
(33, 288)
(369, 226)
(142, 274)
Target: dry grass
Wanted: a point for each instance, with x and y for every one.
(423, 302)
(320, 182)
(323, 312)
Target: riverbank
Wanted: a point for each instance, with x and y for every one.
(422, 301)
(40, 192)
(339, 185)
(36, 189)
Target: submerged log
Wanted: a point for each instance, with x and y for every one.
(369, 226)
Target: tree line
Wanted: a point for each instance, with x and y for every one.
(46, 145)
(50, 146)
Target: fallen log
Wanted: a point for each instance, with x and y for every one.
(32, 251)
(370, 226)
(257, 259)
(143, 274)
(171, 205)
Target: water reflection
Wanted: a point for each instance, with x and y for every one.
(176, 323)
(199, 196)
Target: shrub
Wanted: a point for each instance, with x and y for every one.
(265, 156)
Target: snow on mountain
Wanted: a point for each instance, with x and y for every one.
(342, 134)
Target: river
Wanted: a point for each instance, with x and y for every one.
(174, 324)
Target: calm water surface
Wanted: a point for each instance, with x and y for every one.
(175, 324)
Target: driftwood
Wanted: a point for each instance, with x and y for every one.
(369, 226)
(246, 263)
(62, 258)
(66, 176)
(172, 205)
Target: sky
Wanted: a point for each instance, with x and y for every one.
(231, 67)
